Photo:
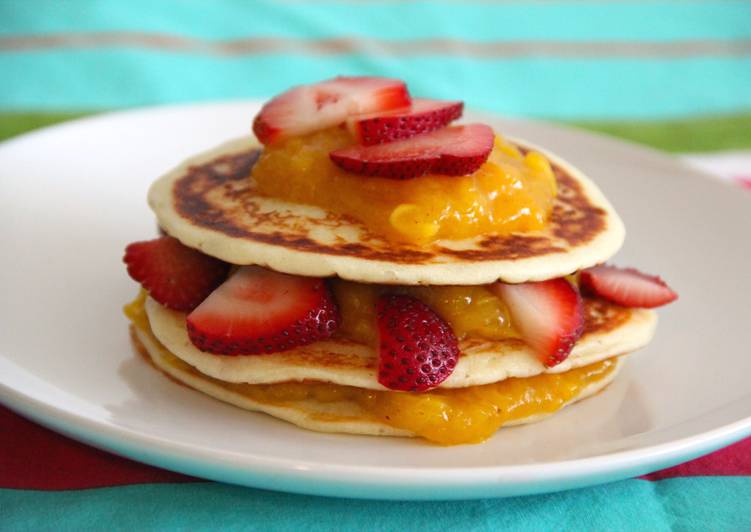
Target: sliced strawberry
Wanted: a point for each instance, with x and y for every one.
(457, 150)
(261, 311)
(549, 315)
(308, 108)
(626, 286)
(177, 276)
(423, 116)
(418, 350)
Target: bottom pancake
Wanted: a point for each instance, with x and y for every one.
(342, 409)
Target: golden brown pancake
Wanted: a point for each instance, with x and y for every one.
(210, 203)
(346, 417)
(609, 330)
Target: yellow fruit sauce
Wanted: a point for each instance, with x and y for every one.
(510, 192)
(136, 312)
(446, 416)
(469, 310)
(443, 416)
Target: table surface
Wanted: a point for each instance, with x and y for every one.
(675, 76)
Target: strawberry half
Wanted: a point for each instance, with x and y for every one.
(626, 286)
(423, 116)
(457, 150)
(261, 311)
(309, 108)
(175, 275)
(418, 350)
(549, 315)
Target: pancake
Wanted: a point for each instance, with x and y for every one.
(609, 330)
(339, 417)
(209, 203)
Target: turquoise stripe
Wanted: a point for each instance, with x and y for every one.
(701, 503)
(551, 88)
(573, 20)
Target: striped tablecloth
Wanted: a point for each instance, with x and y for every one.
(673, 75)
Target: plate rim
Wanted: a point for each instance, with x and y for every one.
(372, 482)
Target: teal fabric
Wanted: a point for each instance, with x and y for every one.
(629, 60)
(519, 87)
(478, 20)
(708, 503)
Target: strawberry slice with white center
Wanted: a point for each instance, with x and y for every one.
(423, 116)
(260, 311)
(549, 315)
(456, 150)
(626, 286)
(308, 108)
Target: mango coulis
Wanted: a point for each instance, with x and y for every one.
(469, 310)
(443, 416)
(135, 311)
(510, 192)
(447, 416)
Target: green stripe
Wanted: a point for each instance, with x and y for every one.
(12, 124)
(687, 135)
(572, 20)
(702, 503)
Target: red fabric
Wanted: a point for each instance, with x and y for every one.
(734, 460)
(32, 457)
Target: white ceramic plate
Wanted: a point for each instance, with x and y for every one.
(72, 197)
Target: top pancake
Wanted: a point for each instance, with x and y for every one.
(209, 203)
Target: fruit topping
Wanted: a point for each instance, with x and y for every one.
(626, 286)
(511, 192)
(417, 349)
(457, 150)
(175, 275)
(309, 108)
(548, 314)
(469, 310)
(423, 116)
(260, 311)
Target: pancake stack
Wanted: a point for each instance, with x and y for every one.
(335, 382)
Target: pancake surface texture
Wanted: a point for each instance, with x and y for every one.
(209, 203)
(609, 331)
(345, 417)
